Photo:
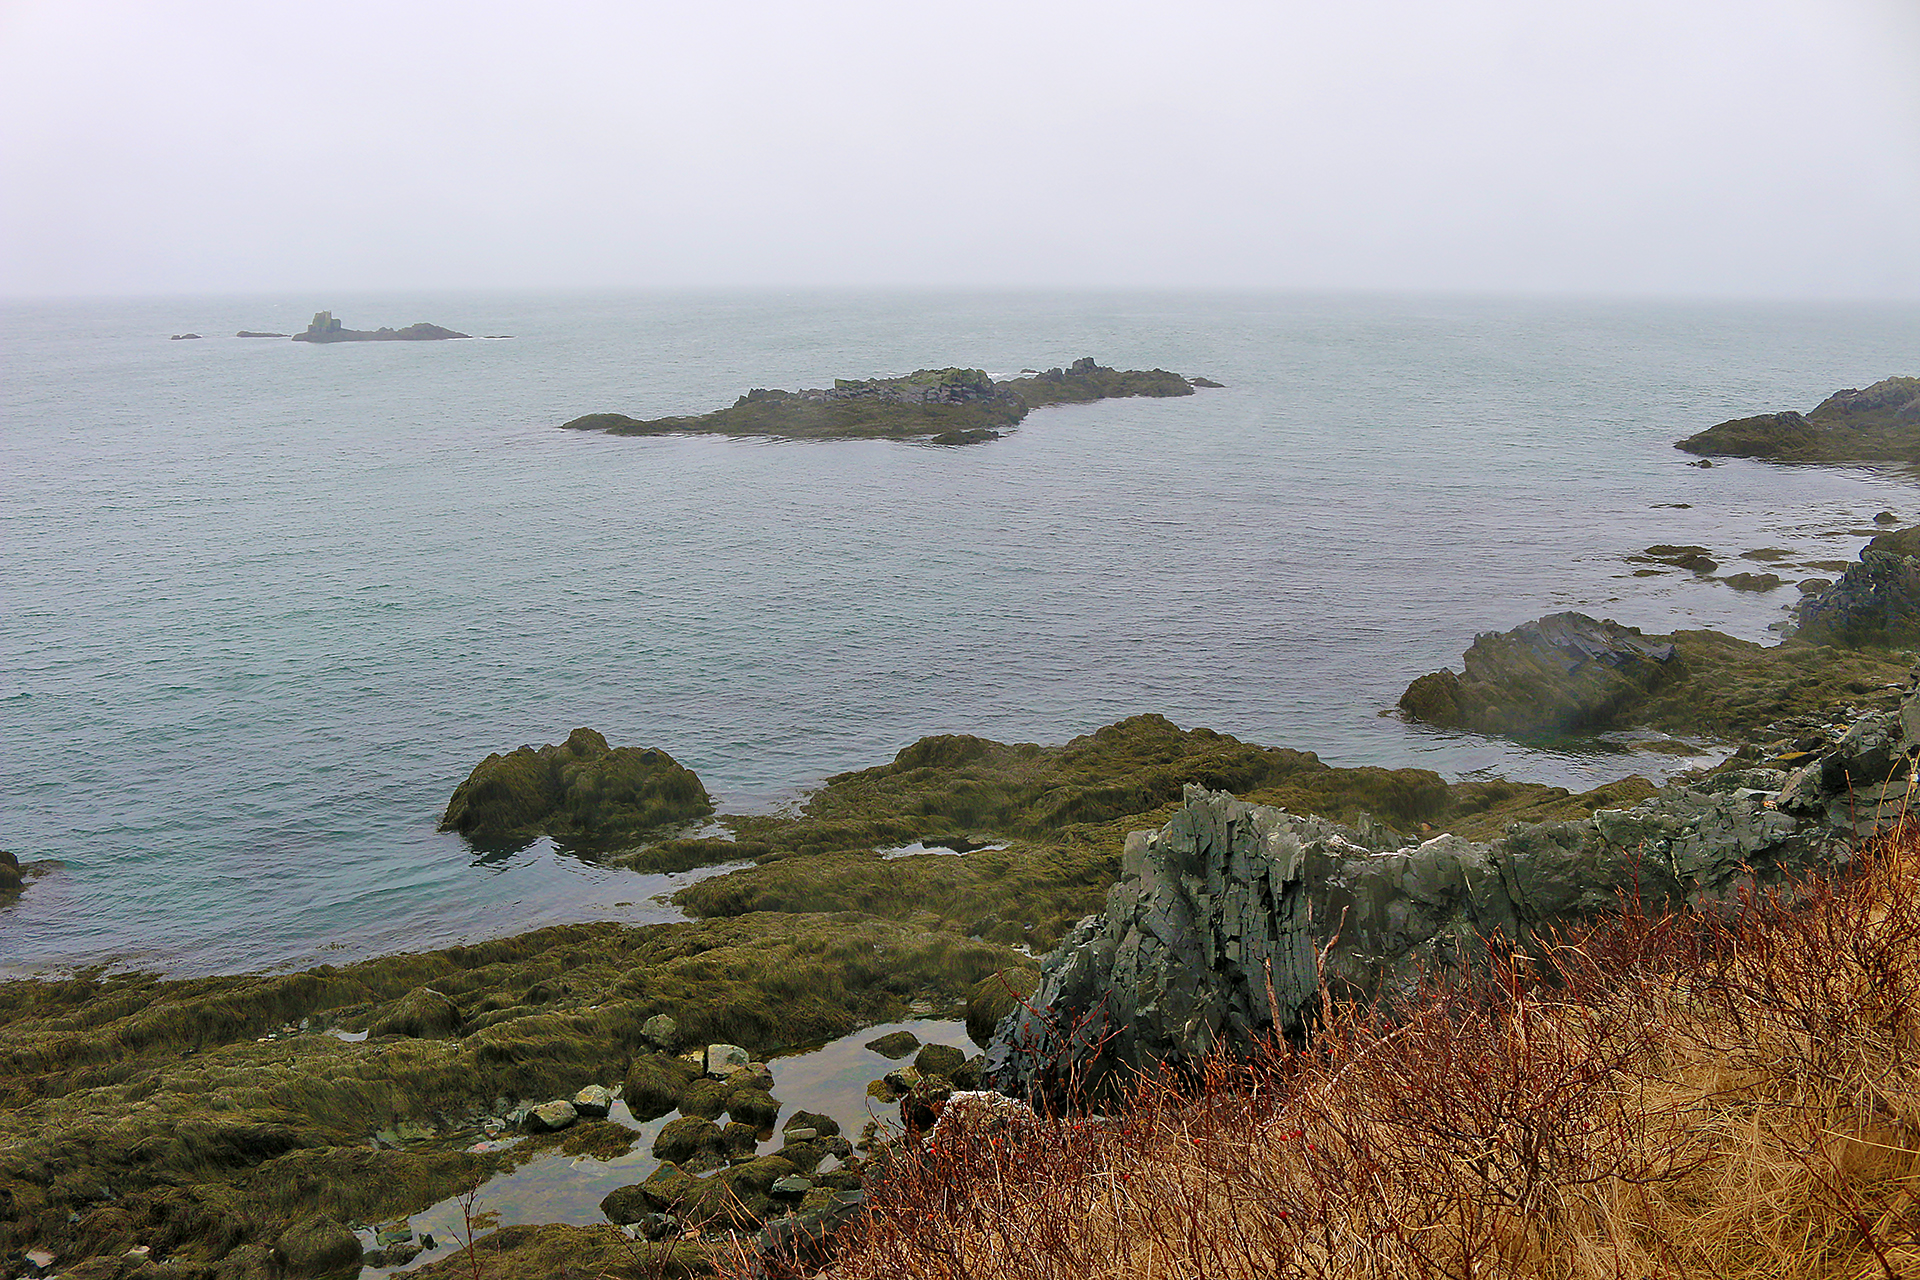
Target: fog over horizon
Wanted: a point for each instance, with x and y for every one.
(1687, 148)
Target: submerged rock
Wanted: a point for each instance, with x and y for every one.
(1564, 672)
(580, 791)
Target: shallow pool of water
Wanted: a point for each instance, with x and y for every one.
(830, 1079)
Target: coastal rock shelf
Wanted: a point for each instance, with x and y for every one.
(943, 406)
(1878, 424)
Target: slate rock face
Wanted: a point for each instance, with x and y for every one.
(1875, 602)
(1209, 941)
(1206, 936)
(1562, 673)
(581, 792)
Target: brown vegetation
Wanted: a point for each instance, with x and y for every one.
(1735, 1095)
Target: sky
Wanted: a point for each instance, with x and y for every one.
(1686, 148)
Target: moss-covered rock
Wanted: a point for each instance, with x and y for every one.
(995, 996)
(318, 1248)
(655, 1084)
(580, 792)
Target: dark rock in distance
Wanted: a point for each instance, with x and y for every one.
(1206, 382)
(1881, 423)
(255, 333)
(1562, 673)
(325, 328)
(11, 881)
(946, 406)
(183, 337)
(1753, 581)
(582, 791)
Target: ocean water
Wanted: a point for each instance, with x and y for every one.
(264, 604)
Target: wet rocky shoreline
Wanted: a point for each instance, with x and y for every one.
(253, 1125)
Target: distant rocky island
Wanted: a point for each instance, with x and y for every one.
(1879, 424)
(326, 329)
(942, 406)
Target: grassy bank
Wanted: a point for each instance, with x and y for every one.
(1727, 1096)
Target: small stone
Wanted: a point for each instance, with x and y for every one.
(792, 1185)
(800, 1135)
(725, 1058)
(594, 1102)
(662, 1032)
(550, 1117)
(895, 1044)
(393, 1233)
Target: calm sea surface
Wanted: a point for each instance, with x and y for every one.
(264, 604)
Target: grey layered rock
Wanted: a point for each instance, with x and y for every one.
(1210, 939)
(550, 1117)
(1875, 602)
(595, 1102)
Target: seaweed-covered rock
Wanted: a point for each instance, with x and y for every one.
(11, 881)
(1875, 602)
(318, 1249)
(423, 1014)
(687, 1138)
(1880, 423)
(994, 997)
(594, 1102)
(581, 791)
(938, 1060)
(895, 1044)
(1564, 672)
(655, 1084)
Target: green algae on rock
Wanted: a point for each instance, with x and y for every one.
(1878, 424)
(946, 406)
(579, 792)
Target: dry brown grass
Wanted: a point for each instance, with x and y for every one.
(1727, 1095)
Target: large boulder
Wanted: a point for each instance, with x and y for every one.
(1562, 673)
(423, 1014)
(11, 881)
(1875, 602)
(581, 792)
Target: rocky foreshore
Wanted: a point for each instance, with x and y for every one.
(1140, 896)
(942, 406)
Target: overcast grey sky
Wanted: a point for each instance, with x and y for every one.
(1686, 147)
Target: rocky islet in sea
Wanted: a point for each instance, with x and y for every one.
(941, 406)
(241, 1126)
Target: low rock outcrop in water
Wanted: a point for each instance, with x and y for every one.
(1569, 673)
(1225, 919)
(1875, 602)
(947, 406)
(326, 329)
(581, 791)
(1878, 424)
(1562, 673)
